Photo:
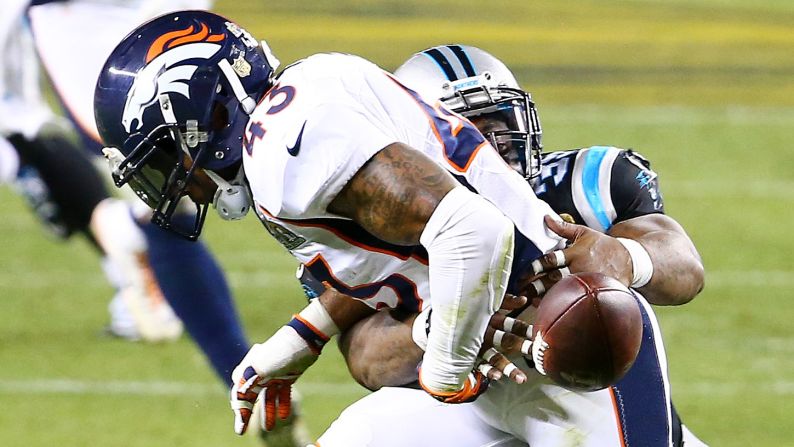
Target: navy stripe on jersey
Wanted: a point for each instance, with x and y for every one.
(355, 234)
(315, 339)
(461, 142)
(443, 63)
(641, 397)
(403, 287)
(524, 252)
(463, 58)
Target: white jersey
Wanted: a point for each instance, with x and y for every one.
(22, 107)
(325, 117)
(635, 412)
(73, 52)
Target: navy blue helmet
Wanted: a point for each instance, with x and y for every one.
(173, 98)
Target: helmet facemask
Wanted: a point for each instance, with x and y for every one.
(160, 170)
(518, 138)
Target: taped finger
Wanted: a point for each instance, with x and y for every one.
(537, 267)
(508, 323)
(510, 370)
(510, 343)
(489, 371)
(548, 261)
(489, 354)
(559, 258)
(518, 327)
(503, 364)
(542, 284)
(497, 338)
(540, 289)
(526, 347)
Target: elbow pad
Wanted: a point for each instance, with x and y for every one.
(470, 247)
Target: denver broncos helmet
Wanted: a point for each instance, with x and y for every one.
(474, 83)
(174, 98)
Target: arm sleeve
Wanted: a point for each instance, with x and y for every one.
(635, 187)
(470, 245)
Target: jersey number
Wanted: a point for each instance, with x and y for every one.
(255, 130)
(552, 172)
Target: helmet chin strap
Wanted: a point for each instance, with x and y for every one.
(232, 200)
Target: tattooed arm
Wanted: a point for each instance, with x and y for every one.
(403, 197)
(394, 194)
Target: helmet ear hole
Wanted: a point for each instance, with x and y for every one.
(220, 116)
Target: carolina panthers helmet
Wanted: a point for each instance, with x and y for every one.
(174, 98)
(474, 83)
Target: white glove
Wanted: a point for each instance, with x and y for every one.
(273, 366)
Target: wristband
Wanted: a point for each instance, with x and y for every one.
(642, 267)
(314, 325)
(421, 328)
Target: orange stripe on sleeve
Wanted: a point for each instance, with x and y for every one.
(616, 408)
(312, 327)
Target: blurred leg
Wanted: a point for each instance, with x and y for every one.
(195, 286)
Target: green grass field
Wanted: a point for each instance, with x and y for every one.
(703, 88)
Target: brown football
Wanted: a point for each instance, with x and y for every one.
(587, 332)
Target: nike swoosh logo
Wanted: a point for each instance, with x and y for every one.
(297, 147)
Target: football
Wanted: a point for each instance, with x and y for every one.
(587, 332)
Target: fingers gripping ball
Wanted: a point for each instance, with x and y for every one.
(587, 332)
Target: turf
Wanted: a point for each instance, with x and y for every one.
(703, 88)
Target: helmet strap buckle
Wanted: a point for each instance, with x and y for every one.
(232, 199)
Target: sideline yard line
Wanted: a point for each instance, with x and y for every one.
(167, 388)
(154, 388)
(674, 114)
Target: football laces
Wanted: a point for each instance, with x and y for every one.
(539, 352)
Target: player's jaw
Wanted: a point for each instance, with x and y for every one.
(200, 187)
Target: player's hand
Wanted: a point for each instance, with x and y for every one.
(268, 372)
(277, 398)
(588, 251)
(506, 336)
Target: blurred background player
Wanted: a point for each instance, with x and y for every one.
(187, 274)
(150, 267)
(613, 191)
(66, 192)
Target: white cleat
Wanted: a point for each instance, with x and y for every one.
(141, 313)
(139, 310)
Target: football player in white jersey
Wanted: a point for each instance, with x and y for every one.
(583, 184)
(357, 176)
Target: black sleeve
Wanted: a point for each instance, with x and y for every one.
(635, 187)
(73, 185)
